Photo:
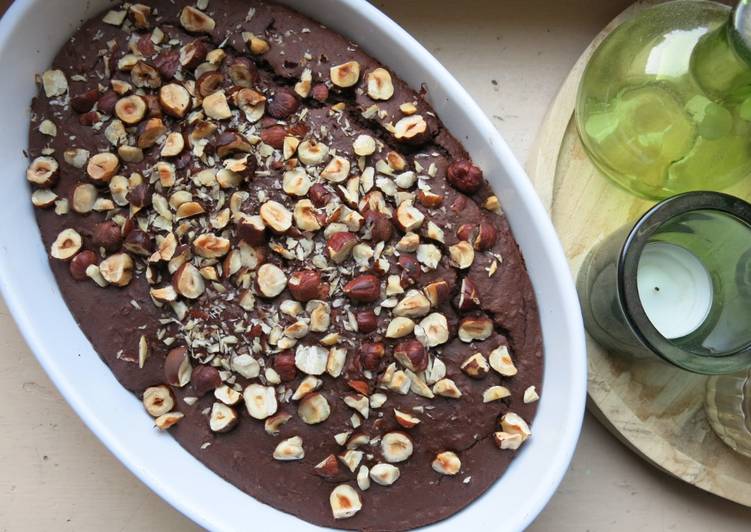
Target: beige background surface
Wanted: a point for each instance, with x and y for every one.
(511, 55)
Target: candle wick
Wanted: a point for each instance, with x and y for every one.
(657, 288)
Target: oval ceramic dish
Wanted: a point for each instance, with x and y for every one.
(30, 32)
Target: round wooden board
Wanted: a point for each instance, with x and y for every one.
(655, 409)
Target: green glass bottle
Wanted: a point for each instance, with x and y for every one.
(664, 105)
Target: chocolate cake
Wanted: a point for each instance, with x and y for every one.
(275, 244)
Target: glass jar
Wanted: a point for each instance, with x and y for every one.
(676, 286)
(664, 104)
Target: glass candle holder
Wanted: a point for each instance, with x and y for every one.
(728, 408)
(664, 104)
(677, 285)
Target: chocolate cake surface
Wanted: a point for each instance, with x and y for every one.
(273, 242)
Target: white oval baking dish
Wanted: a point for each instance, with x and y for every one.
(30, 33)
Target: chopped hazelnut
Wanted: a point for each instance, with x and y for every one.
(384, 474)
(494, 393)
(196, 21)
(475, 328)
(165, 421)
(513, 424)
(380, 86)
(158, 400)
(313, 409)
(271, 280)
(223, 418)
(43, 172)
(289, 449)
(345, 501)
(276, 216)
(260, 401)
(117, 269)
(130, 109)
(405, 419)
(396, 447)
(102, 166)
(447, 463)
(346, 74)
(500, 360)
(273, 424)
(432, 330)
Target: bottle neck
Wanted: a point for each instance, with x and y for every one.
(721, 62)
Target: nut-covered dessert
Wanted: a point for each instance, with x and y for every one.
(276, 245)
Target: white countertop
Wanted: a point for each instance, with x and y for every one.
(511, 55)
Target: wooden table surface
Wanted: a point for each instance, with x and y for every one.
(511, 55)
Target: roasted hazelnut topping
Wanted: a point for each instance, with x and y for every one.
(319, 92)
(139, 242)
(83, 103)
(288, 241)
(468, 297)
(177, 367)
(283, 103)
(130, 109)
(209, 83)
(107, 235)
(364, 288)
(80, 263)
(242, 72)
(284, 365)
(367, 321)
(193, 53)
(464, 176)
(412, 355)
(371, 355)
(205, 379)
(377, 228)
(305, 285)
(319, 194)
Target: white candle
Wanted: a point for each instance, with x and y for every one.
(675, 289)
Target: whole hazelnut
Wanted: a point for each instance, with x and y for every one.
(319, 195)
(367, 321)
(284, 364)
(274, 136)
(83, 103)
(88, 119)
(205, 379)
(320, 92)
(365, 288)
(298, 129)
(283, 104)
(371, 355)
(464, 176)
(459, 204)
(80, 262)
(305, 285)
(106, 103)
(107, 235)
